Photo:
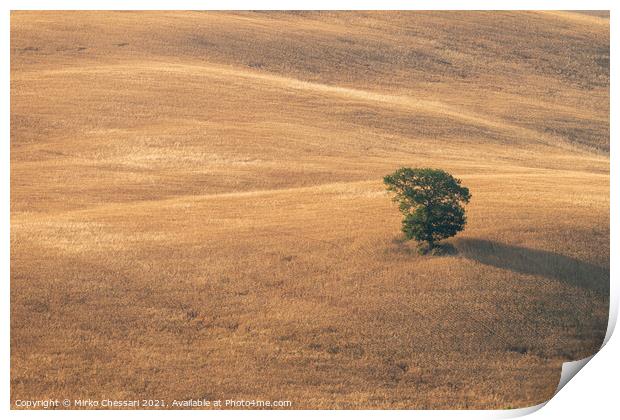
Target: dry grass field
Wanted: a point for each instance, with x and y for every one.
(197, 207)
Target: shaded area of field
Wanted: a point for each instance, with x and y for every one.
(537, 262)
(197, 208)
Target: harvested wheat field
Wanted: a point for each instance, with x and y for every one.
(198, 208)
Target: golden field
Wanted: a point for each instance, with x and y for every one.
(197, 207)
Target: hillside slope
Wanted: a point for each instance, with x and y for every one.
(197, 208)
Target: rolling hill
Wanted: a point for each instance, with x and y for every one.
(197, 207)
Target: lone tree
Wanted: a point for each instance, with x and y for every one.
(431, 201)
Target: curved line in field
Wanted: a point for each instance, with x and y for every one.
(577, 17)
(401, 101)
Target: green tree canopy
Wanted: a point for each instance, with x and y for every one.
(431, 201)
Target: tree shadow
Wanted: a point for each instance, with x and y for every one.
(567, 270)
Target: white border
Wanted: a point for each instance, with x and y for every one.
(308, 5)
(594, 393)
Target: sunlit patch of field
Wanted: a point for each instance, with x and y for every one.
(197, 208)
